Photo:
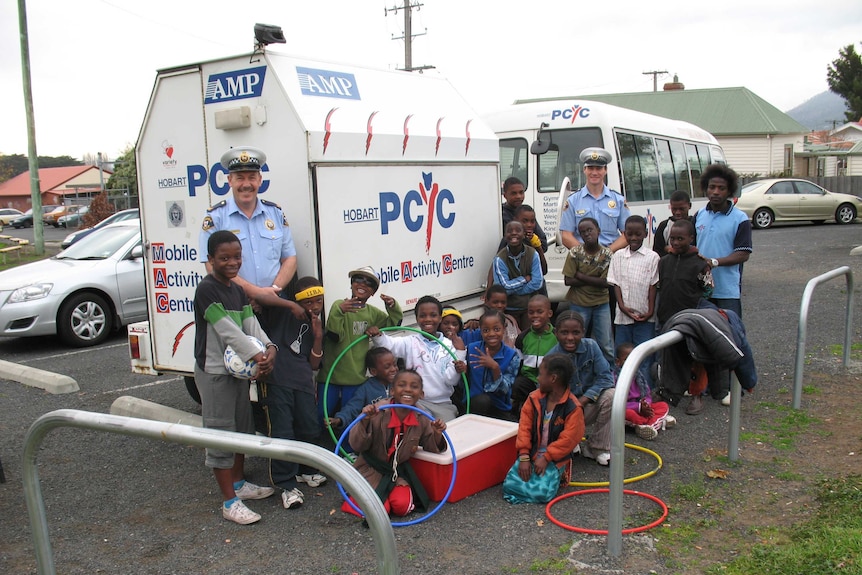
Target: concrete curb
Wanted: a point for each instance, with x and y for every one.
(141, 408)
(55, 383)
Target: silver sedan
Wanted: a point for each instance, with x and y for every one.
(787, 199)
(82, 293)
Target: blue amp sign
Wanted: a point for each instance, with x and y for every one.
(235, 85)
(327, 83)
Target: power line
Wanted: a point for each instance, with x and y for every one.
(654, 75)
(408, 34)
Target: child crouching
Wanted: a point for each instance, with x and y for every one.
(642, 413)
(386, 440)
(551, 425)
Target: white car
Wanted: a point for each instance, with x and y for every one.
(9, 214)
(787, 199)
(83, 293)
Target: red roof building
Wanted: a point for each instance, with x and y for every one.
(58, 186)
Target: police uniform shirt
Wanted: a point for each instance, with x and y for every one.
(609, 209)
(265, 237)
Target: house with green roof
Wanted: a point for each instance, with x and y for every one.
(757, 137)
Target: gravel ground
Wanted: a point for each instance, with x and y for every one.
(119, 504)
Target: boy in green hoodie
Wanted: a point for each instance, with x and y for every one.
(347, 321)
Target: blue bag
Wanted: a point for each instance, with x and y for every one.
(539, 489)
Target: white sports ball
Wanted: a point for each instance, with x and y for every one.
(239, 368)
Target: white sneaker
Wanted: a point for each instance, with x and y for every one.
(239, 513)
(252, 491)
(602, 457)
(312, 480)
(292, 498)
(726, 399)
(669, 421)
(647, 432)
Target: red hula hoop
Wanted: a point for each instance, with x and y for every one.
(559, 523)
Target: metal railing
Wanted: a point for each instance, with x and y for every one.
(618, 430)
(312, 455)
(803, 326)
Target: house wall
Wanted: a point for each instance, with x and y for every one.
(854, 165)
(830, 166)
(758, 154)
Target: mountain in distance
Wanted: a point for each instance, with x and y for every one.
(822, 112)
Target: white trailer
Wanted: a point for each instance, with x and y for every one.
(383, 168)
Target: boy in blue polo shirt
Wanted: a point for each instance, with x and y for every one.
(724, 240)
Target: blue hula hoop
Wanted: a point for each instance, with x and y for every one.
(451, 450)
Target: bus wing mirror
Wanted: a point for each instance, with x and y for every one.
(541, 146)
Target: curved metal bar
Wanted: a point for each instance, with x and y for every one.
(618, 432)
(305, 453)
(802, 332)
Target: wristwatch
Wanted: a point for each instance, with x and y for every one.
(713, 262)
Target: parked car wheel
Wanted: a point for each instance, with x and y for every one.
(85, 319)
(845, 214)
(192, 388)
(763, 218)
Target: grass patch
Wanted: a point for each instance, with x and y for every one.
(28, 255)
(693, 491)
(838, 350)
(829, 544)
(558, 566)
(782, 433)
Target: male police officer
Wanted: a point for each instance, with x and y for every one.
(597, 201)
(268, 253)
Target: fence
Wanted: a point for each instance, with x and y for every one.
(803, 326)
(329, 463)
(618, 430)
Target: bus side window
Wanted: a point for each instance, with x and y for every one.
(640, 169)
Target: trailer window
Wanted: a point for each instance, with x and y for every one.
(561, 159)
(513, 159)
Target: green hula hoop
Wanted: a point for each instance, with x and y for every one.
(363, 338)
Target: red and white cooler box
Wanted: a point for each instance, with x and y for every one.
(484, 449)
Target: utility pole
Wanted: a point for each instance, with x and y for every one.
(654, 75)
(35, 187)
(408, 34)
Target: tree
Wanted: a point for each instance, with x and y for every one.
(844, 76)
(125, 176)
(100, 208)
(12, 165)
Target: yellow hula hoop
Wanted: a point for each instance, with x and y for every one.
(630, 479)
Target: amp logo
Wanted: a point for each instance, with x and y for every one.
(235, 85)
(572, 113)
(419, 209)
(327, 83)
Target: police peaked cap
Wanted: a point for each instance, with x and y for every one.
(595, 157)
(243, 159)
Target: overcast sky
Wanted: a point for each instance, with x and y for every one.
(93, 62)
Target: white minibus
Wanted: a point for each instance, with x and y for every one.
(540, 142)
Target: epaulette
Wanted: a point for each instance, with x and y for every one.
(268, 203)
(221, 204)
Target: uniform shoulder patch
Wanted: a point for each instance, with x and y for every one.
(284, 220)
(268, 203)
(208, 224)
(221, 204)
